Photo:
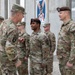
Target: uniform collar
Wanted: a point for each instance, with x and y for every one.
(47, 31)
(67, 22)
(36, 32)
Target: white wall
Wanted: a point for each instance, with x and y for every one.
(10, 3)
(2, 9)
(30, 14)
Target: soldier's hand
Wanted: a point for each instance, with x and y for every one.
(43, 65)
(26, 58)
(18, 63)
(69, 64)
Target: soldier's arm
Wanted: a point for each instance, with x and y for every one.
(72, 37)
(3, 36)
(53, 42)
(27, 45)
(45, 50)
(11, 48)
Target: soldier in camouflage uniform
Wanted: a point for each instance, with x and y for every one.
(39, 49)
(1, 19)
(52, 44)
(66, 43)
(8, 41)
(24, 49)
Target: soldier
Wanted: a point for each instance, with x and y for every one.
(1, 19)
(39, 49)
(24, 49)
(8, 41)
(66, 43)
(52, 44)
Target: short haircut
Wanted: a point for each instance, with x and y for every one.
(35, 20)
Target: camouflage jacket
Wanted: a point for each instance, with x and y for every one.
(39, 47)
(66, 42)
(52, 41)
(24, 46)
(8, 40)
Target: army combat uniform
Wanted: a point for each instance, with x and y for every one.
(8, 49)
(66, 48)
(23, 52)
(52, 44)
(39, 53)
(1, 19)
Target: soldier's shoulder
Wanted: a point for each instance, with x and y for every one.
(72, 26)
(42, 35)
(6, 21)
(4, 24)
(26, 35)
(52, 34)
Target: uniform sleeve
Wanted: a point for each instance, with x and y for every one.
(11, 48)
(9, 37)
(53, 43)
(27, 45)
(72, 37)
(45, 49)
(3, 36)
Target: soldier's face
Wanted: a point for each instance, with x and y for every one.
(34, 26)
(62, 15)
(20, 16)
(47, 28)
(20, 27)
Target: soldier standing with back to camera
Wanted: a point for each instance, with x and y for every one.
(24, 49)
(8, 41)
(52, 44)
(66, 42)
(39, 49)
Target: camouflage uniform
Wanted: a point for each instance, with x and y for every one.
(51, 38)
(8, 41)
(39, 53)
(23, 51)
(8, 53)
(66, 48)
(1, 19)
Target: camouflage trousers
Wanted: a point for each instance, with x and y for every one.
(0, 69)
(36, 69)
(8, 68)
(62, 63)
(23, 69)
(64, 69)
(0, 72)
(70, 70)
(49, 67)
